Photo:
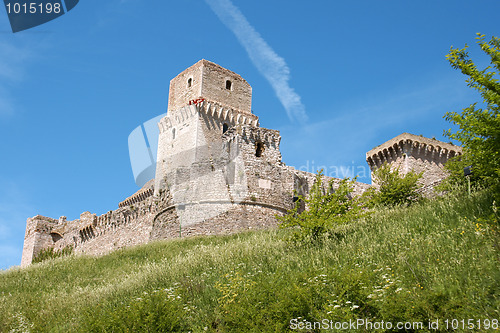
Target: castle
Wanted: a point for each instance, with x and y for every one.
(217, 172)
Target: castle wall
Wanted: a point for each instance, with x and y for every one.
(303, 182)
(124, 233)
(243, 216)
(230, 182)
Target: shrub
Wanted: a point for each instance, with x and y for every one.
(324, 209)
(394, 188)
(156, 311)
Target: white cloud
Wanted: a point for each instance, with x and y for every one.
(270, 65)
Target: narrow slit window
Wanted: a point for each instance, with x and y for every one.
(190, 82)
(229, 84)
(225, 127)
(173, 133)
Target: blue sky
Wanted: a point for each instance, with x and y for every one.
(335, 77)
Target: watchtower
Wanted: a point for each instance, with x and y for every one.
(205, 100)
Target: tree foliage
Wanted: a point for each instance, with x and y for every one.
(325, 207)
(479, 129)
(393, 187)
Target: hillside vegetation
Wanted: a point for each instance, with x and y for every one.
(434, 260)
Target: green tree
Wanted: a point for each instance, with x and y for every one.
(479, 129)
(393, 188)
(325, 207)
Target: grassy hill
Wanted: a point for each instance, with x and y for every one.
(435, 260)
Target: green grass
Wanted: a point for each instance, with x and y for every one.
(436, 260)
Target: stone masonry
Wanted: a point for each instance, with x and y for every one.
(410, 152)
(217, 172)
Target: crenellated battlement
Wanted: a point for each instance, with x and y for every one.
(214, 110)
(410, 152)
(144, 193)
(407, 144)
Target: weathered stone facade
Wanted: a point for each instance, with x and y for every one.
(217, 172)
(410, 152)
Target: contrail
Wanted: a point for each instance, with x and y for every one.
(270, 65)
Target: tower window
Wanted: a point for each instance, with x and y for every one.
(259, 149)
(173, 133)
(225, 127)
(190, 82)
(228, 84)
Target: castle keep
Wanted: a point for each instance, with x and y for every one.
(217, 172)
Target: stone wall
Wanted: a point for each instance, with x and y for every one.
(208, 80)
(38, 236)
(243, 216)
(410, 152)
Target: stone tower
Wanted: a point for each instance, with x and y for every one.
(412, 152)
(205, 100)
(38, 236)
(195, 161)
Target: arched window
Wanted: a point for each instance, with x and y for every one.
(173, 133)
(225, 127)
(228, 84)
(190, 82)
(259, 149)
(55, 236)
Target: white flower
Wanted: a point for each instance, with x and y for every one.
(336, 306)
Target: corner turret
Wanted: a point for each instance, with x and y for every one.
(38, 236)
